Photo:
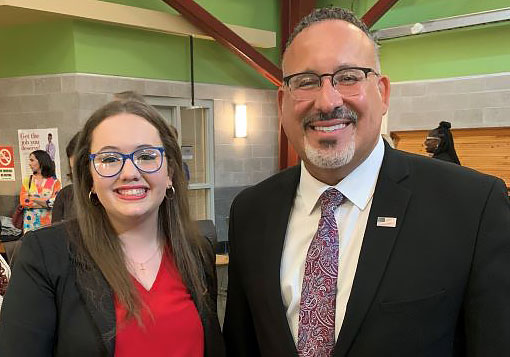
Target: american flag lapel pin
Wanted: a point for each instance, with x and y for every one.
(386, 222)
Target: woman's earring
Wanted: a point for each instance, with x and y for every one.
(93, 198)
(170, 192)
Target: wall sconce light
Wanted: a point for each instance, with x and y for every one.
(241, 123)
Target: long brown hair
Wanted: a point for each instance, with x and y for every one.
(99, 242)
(45, 163)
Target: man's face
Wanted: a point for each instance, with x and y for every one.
(331, 133)
(49, 138)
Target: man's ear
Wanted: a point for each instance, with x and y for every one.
(280, 102)
(384, 90)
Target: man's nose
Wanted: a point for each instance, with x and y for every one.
(327, 97)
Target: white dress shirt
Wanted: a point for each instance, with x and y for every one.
(351, 218)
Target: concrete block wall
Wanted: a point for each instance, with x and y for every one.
(466, 102)
(65, 101)
(242, 162)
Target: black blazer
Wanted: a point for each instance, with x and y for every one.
(438, 284)
(48, 311)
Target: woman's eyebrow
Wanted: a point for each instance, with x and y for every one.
(117, 149)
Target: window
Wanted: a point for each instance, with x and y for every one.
(195, 128)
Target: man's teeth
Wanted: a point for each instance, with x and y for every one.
(331, 128)
(132, 192)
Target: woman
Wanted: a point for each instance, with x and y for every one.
(38, 191)
(439, 143)
(131, 276)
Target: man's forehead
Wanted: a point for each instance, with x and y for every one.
(324, 35)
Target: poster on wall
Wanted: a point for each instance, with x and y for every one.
(7, 163)
(38, 139)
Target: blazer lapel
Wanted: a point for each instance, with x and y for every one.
(279, 206)
(98, 299)
(390, 200)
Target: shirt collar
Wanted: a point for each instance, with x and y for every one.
(358, 186)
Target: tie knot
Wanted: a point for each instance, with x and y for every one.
(330, 200)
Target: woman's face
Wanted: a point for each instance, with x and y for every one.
(34, 164)
(131, 196)
(431, 142)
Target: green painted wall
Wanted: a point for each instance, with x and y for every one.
(88, 47)
(258, 14)
(41, 48)
(460, 52)
(463, 52)
(411, 11)
(106, 49)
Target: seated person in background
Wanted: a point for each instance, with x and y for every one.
(131, 276)
(38, 191)
(5, 273)
(439, 143)
(63, 207)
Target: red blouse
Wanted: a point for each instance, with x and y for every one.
(175, 328)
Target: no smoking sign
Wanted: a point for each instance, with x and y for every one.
(7, 163)
(6, 156)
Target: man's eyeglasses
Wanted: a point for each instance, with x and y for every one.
(110, 163)
(347, 81)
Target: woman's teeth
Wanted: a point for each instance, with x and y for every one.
(132, 192)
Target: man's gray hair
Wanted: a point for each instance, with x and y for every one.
(332, 13)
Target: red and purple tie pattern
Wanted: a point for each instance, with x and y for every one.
(316, 332)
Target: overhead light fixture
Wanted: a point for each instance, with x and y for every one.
(241, 122)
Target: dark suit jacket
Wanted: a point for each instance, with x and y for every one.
(438, 284)
(48, 311)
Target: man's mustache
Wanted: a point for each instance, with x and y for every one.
(342, 112)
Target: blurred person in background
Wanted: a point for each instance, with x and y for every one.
(439, 143)
(38, 191)
(5, 273)
(63, 207)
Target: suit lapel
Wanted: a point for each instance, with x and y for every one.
(390, 200)
(279, 207)
(98, 299)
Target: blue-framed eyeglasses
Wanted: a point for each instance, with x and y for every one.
(110, 163)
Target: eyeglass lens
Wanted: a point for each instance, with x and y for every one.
(111, 163)
(347, 82)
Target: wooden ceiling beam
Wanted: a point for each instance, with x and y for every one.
(377, 11)
(292, 11)
(202, 19)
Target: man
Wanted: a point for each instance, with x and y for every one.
(50, 147)
(363, 250)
